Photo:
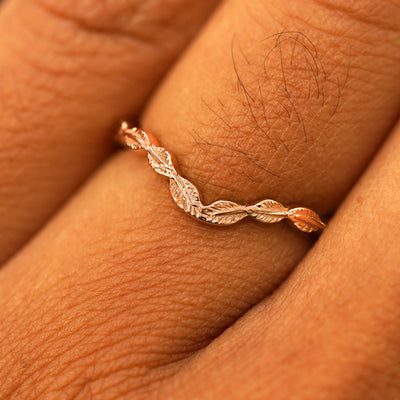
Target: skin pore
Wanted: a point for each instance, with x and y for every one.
(122, 295)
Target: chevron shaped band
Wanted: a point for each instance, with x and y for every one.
(221, 212)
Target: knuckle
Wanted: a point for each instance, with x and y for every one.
(90, 16)
(140, 21)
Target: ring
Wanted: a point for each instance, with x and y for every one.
(221, 212)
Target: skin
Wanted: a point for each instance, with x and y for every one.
(121, 295)
(69, 74)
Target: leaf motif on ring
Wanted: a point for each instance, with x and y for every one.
(136, 139)
(186, 196)
(224, 212)
(264, 211)
(221, 212)
(161, 161)
(305, 219)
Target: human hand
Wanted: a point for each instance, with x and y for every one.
(122, 295)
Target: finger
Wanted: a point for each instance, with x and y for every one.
(279, 108)
(69, 71)
(332, 331)
(130, 283)
(129, 263)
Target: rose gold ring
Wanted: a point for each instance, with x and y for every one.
(221, 212)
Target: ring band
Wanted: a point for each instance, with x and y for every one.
(221, 212)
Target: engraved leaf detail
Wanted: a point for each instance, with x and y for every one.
(186, 196)
(221, 212)
(224, 212)
(160, 160)
(136, 139)
(305, 219)
(269, 211)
